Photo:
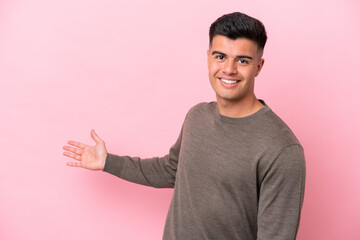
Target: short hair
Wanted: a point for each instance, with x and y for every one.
(239, 25)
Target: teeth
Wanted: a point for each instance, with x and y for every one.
(229, 81)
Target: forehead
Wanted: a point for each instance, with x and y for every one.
(233, 46)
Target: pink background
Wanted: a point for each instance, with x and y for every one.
(131, 70)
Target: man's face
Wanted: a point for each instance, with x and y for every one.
(233, 66)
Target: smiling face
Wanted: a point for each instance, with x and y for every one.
(233, 66)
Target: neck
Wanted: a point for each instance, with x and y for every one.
(239, 109)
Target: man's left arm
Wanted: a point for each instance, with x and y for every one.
(281, 196)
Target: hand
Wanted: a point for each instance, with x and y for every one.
(89, 157)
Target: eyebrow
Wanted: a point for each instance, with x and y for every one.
(240, 56)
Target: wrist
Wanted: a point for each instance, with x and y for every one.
(103, 162)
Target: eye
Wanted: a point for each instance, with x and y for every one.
(243, 61)
(220, 57)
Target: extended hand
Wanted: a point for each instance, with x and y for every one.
(89, 157)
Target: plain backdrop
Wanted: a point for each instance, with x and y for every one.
(131, 70)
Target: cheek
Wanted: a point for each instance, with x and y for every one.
(213, 68)
(249, 73)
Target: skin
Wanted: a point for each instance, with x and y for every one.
(240, 60)
(89, 157)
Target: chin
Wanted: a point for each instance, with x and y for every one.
(228, 98)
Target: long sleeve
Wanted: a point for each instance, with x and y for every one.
(281, 196)
(158, 172)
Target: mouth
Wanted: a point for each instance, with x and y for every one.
(229, 83)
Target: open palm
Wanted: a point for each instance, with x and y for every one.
(89, 157)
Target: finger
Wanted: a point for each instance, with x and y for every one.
(72, 155)
(72, 149)
(95, 137)
(74, 164)
(76, 144)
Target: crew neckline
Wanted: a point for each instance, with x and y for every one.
(226, 119)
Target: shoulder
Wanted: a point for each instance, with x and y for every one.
(273, 131)
(281, 147)
(278, 131)
(202, 108)
(201, 113)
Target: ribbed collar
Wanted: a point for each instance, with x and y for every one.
(243, 119)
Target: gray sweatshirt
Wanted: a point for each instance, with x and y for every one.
(233, 178)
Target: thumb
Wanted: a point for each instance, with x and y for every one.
(95, 137)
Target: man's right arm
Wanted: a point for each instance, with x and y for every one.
(158, 172)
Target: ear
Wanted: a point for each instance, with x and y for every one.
(259, 67)
(208, 54)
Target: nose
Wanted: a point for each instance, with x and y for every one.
(229, 67)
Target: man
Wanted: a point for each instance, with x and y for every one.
(237, 170)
